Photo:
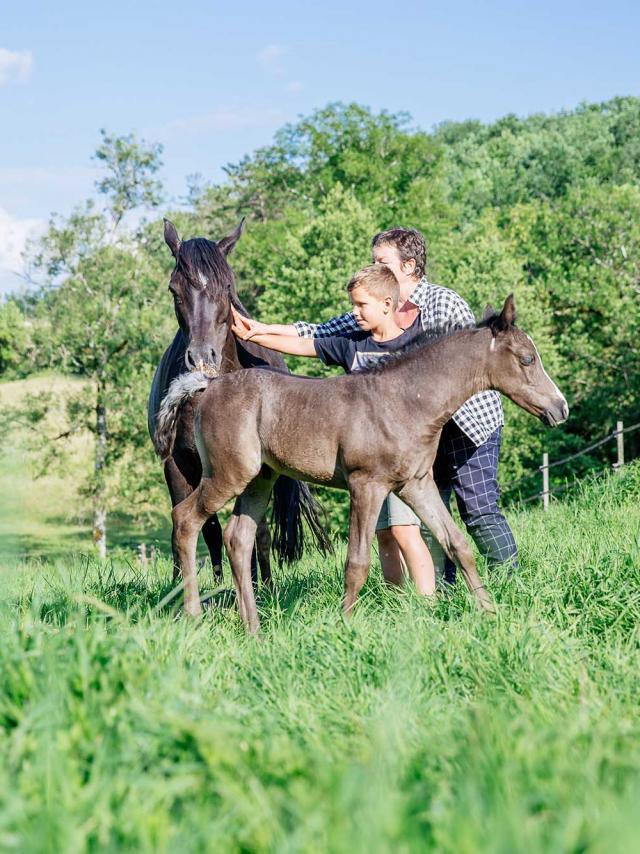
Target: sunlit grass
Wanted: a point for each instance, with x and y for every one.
(126, 726)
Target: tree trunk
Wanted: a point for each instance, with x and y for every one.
(99, 492)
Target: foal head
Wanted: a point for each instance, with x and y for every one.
(515, 367)
(202, 286)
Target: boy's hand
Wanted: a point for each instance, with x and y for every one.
(244, 327)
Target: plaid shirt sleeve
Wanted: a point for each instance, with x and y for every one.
(442, 311)
(341, 325)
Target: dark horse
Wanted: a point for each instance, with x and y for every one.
(203, 289)
(379, 434)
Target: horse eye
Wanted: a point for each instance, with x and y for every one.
(526, 360)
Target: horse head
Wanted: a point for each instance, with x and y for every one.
(515, 367)
(202, 285)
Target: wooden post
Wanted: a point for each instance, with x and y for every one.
(620, 443)
(142, 549)
(545, 481)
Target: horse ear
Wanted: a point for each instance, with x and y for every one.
(501, 322)
(488, 312)
(171, 238)
(226, 244)
(507, 316)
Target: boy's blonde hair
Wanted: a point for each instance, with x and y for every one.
(377, 280)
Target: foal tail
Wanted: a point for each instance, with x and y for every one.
(180, 390)
(293, 502)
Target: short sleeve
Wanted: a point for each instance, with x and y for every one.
(335, 351)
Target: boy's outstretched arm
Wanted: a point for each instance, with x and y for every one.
(342, 325)
(291, 344)
(251, 328)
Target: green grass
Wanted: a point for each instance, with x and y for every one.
(127, 726)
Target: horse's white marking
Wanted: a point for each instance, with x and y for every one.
(492, 346)
(203, 279)
(543, 369)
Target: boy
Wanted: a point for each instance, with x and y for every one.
(374, 296)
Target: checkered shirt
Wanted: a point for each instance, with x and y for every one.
(442, 311)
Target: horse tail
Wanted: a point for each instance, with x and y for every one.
(293, 502)
(180, 391)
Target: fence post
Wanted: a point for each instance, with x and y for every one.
(142, 552)
(545, 481)
(620, 443)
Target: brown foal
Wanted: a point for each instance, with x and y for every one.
(371, 433)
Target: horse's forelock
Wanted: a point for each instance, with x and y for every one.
(204, 266)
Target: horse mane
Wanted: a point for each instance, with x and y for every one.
(424, 341)
(204, 266)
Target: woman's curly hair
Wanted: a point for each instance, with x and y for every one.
(410, 244)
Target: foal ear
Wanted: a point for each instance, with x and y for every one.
(488, 312)
(171, 238)
(509, 311)
(226, 244)
(507, 316)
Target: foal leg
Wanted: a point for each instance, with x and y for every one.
(424, 498)
(179, 489)
(366, 500)
(188, 518)
(239, 538)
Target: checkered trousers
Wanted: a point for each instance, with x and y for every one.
(441, 311)
(472, 474)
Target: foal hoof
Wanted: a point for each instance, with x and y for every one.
(193, 610)
(484, 602)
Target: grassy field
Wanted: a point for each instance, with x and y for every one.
(415, 727)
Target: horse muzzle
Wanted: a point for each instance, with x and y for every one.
(556, 414)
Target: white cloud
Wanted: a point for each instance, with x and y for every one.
(269, 58)
(226, 119)
(15, 66)
(14, 234)
(294, 86)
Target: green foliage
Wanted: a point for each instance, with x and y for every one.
(545, 206)
(129, 166)
(15, 339)
(412, 728)
(313, 268)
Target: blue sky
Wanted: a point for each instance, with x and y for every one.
(212, 81)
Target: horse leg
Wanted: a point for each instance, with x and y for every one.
(188, 518)
(366, 500)
(179, 489)
(239, 538)
(212, 534)
(423, 497)
(263, 547)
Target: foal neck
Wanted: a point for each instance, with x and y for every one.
(445, 373)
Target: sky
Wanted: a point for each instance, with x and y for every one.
(213, 81)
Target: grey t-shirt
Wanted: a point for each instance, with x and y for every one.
(358, 351)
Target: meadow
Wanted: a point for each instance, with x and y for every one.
(414, 727)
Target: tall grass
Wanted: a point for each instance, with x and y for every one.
(414, 727)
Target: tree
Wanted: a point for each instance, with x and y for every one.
(99, 312)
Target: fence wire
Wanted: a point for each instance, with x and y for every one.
(509, 487)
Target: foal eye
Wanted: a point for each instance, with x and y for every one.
(526, 360)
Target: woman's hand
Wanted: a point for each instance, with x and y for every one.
(245, 327)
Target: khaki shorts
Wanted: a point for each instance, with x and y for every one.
(395, 512)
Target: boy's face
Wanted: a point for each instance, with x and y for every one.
(387, 254)
(370, 311)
